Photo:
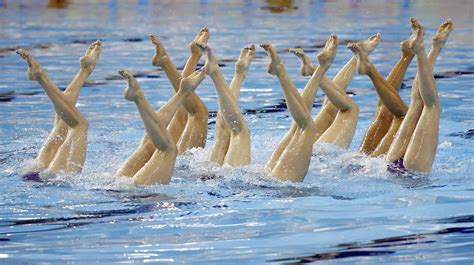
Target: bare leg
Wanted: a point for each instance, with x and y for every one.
(194, 133)
(159, 169)
(380, 133)
(421, 150)
(146, 149)
(59, 132)
(292, 161)
(386, 91)
(399, 146)
(327, 114)
(222, 132)
(71, 154)
(238, 152)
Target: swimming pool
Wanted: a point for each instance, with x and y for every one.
(349, 208)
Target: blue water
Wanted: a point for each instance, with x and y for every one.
(348, 210)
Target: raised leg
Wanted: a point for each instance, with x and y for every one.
(379, 135)
(422, 147)
(403, 136)
(238, 152)
(296, 104)
(159, 168)
(386, 91)
(327, 114)
(222, 131)
(194, 133)
(70, 156)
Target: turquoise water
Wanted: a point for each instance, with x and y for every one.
(348, 210)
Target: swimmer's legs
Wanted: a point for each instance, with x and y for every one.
(194, 133)
(327, 114)
(159, 169)
(296, 104)
(291, 162)
(60, 129)
(386, 91)
(403, 136)
(71, 155)
(421, 150)
(383, 117)
(222, 131)
(238, 152)
(161, 59)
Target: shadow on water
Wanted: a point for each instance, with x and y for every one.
(371, 248)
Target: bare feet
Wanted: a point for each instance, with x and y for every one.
(363, 63)
(245, 58)
(133, 88)
(90, 58)
(439, 39)
(160, 52)
(306, 68)
(405, 47)
(202, 37)
(211, 65)
(327, 55)
(189, 83)
(416, 39)
(34, 68)
(371, 43)
(275, 62)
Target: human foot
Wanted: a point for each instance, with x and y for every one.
(275, 62)
(441, 36)
(160, 51)
(306, 67)
(90, 58)
(133, 88)
(327, 55)
(371, 43)
(189, 83)
(363, 63)
(405, 47)
(245, 58)
(211, 65)
(34, 68)
(415, 41)
(201, 38)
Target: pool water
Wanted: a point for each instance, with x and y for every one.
(349, 209)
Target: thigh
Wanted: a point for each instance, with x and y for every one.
(71, 154)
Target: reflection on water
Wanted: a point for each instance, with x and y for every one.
(349, 206)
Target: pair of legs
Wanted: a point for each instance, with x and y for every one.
(328, 112)
(65, 149)
(291, 158)
(390, 108)
(188, 127)
(223, 132)
(233, 150)
(402, 138)
(159, 168)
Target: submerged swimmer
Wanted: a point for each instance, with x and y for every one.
(390, 108)
(223, 132)
(402, 138)
(291, 158)
(188, 127)
(235, 151)
(65, 148)
(159, 168)
(325, 117)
